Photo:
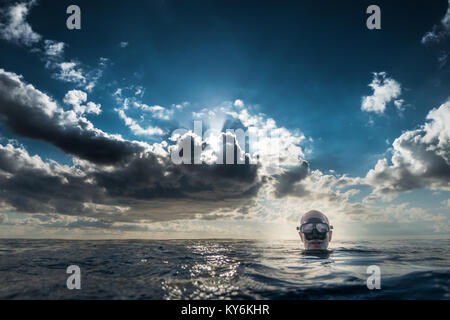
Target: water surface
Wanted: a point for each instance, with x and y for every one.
(223, 269)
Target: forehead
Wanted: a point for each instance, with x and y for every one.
(314, 215)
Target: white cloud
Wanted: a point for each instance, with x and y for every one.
(420, 158)
(70, 72)
(118, 92)
(157, 111)
(90, 86)
(54, 48)
(14, 27)
(277, 148)
(385, 89)
(181, 106)
(399, 104)
(139, 91)
(238, 103)
(76, 98)
(123, 44)
(136, 128)
(92, 107)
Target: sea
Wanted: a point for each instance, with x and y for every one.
(224, 269)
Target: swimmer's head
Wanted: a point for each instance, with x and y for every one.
(315, 230)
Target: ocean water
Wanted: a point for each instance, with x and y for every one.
(223, 269)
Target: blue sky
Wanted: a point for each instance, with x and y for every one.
(305, 65)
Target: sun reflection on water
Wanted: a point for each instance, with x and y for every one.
(209, 277)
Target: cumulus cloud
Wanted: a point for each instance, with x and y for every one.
(13, 24)
(420, 158)
(439, 31)
(76, 98)
(385, 90)
(277, 149)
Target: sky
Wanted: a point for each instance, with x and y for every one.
(350, 121)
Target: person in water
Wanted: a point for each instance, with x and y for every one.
(315, 230)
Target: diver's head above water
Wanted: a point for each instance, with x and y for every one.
(315, 230)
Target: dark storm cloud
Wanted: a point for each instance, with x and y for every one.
(142, 189)
(31, 185)
(287, 182)
(30, 113)
(156, 177)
